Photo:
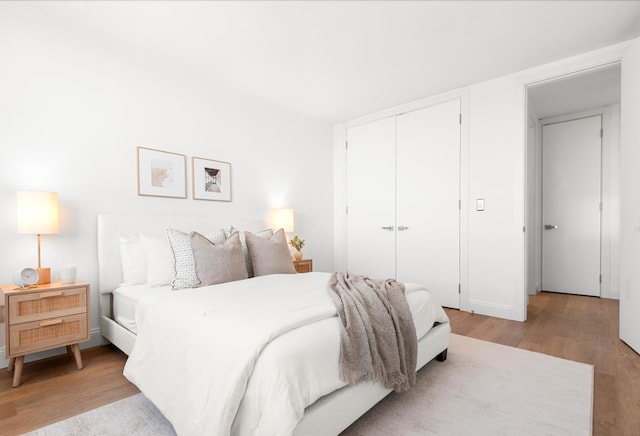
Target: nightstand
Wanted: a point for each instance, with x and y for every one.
(47, 316)
(303, 265)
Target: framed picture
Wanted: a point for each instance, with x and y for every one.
(211, 179)
(162, 173)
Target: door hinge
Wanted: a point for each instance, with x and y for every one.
(459, 204)
(600, 206)
(459, 288)
(346, 145)
(601, 133)
(600, 279)
(459, 118)
(524, 229)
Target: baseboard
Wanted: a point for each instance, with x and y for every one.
(95, 340)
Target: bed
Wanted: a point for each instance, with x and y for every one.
(327, 413)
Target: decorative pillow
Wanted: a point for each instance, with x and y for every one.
(159, 260)
(218, 263)
(183, 262)
(132, 258)
(270, 256)
(245, 251)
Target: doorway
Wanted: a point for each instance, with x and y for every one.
(594, 97)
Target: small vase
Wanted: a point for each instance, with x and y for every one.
(297, 254)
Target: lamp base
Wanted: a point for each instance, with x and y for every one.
(45, 275)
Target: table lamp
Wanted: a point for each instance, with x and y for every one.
(282, 219)
(38, 215)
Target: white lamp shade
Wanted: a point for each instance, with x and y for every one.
(282, 219)
(37, 212)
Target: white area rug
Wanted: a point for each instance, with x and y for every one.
(481, 389)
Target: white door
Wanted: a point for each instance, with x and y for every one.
(630, 199)
(371, 163)
(427, 200)
(571, 175)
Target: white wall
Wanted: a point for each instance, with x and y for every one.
(73, 109)
(496, 174)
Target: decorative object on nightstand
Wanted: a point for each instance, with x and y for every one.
(297, 245)
(303, 266)
(45, 317)
(37, 214)
(26, 277)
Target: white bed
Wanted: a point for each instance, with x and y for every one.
(329, 414)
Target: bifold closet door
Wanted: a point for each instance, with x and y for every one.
(427, 200)
(371, 199)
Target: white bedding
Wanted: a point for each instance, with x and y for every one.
(126, 299)
(213, 381)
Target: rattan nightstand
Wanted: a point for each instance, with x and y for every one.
(44, 317)
(303, 265)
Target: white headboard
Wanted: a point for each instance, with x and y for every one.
(110, 227)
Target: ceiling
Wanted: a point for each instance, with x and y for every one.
(577, 93)
(337, 60)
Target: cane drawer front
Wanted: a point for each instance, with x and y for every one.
(42, 335)
(35, 306)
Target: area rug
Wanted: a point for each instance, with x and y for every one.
(481, 389)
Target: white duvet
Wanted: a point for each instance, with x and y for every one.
(245, 357)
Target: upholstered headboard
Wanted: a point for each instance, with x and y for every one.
(110, 227)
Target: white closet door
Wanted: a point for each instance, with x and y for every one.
(371, 199)
(427, 195)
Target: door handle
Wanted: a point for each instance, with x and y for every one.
(550, 227)
(390, 228)
(402, 228)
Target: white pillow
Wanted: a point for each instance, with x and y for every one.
(159, 260)
(132, 258)
(183, 261)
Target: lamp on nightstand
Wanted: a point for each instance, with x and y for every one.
(38, 215)
(282, 219)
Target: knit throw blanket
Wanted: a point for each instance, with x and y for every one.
(377, 334)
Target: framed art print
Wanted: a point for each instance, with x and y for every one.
(162, 173)
(211, 179)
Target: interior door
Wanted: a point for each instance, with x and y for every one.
(630, 199)
(427, 200)
(371, 163)
(571, 193)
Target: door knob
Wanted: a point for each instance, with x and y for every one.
(390, 228)
(550, 227)
(402, 228)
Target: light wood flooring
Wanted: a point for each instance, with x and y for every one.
(584, 329)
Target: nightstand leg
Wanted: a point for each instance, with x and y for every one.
(77, 355)
(12, 362)
(18, 371)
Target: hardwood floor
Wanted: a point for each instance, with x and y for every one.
(54, 389)
(584, 329)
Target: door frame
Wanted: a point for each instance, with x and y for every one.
(566, 68)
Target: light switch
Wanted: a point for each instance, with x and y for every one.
(480, 204)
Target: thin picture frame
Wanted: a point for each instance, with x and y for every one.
(211, 179)
(161, 173)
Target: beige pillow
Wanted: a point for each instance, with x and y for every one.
(218, 263)
(270, 255)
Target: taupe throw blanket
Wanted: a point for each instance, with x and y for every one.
(378, 337)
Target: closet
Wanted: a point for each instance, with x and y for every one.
(403, 199)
